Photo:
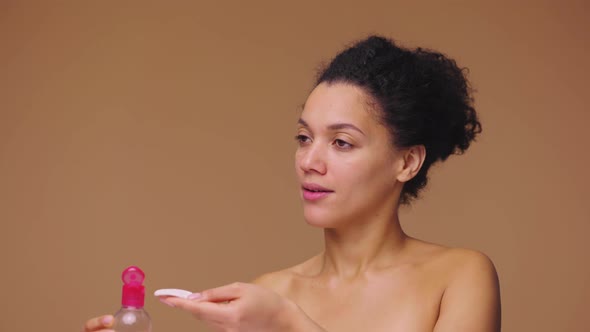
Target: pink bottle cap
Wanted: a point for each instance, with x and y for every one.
(133, 289)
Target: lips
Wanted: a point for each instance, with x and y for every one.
(313, 192)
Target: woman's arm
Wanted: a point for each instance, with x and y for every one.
(471, 302)
(245, 307)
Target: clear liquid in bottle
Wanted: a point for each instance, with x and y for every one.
(132, 317)
(132, 320)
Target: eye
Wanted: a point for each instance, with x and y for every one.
(343, 145)
(302, 139)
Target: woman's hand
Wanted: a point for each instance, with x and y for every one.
(99, 324)
(242, 307)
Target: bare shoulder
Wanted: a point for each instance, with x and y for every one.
(471, 299)
(462, 270)
(471, 270)
(450, 262)
(460, 261)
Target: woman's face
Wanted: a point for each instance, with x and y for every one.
(345, 163)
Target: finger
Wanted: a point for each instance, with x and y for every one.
(164, 299)
(222, 294)
(97, 323)
(207, 311)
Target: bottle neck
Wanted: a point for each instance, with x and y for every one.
(130, 307)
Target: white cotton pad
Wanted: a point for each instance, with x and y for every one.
(173, 292)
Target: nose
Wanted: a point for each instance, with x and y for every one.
(311, 159)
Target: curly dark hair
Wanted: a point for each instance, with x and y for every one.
(424, 98)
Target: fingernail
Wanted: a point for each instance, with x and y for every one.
(195, 296)
(167, 303)
(107, 320)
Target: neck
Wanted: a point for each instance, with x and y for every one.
(353, 250)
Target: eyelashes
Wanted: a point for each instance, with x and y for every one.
(302, 139)
(338, 143)
(342, 144)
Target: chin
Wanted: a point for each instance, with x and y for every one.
(321, 218)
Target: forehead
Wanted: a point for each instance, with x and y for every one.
(340, 102)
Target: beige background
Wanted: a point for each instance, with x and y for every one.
(161, 135)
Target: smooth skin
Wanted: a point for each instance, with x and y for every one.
(371, 276)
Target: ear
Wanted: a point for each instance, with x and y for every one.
(412, 160)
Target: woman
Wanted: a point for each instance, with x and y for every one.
(377, 119)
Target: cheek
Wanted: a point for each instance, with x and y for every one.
(367, 175)
(356, 170)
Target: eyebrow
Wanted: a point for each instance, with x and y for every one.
(335, 126)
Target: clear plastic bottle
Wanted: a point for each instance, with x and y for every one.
(132, 317)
